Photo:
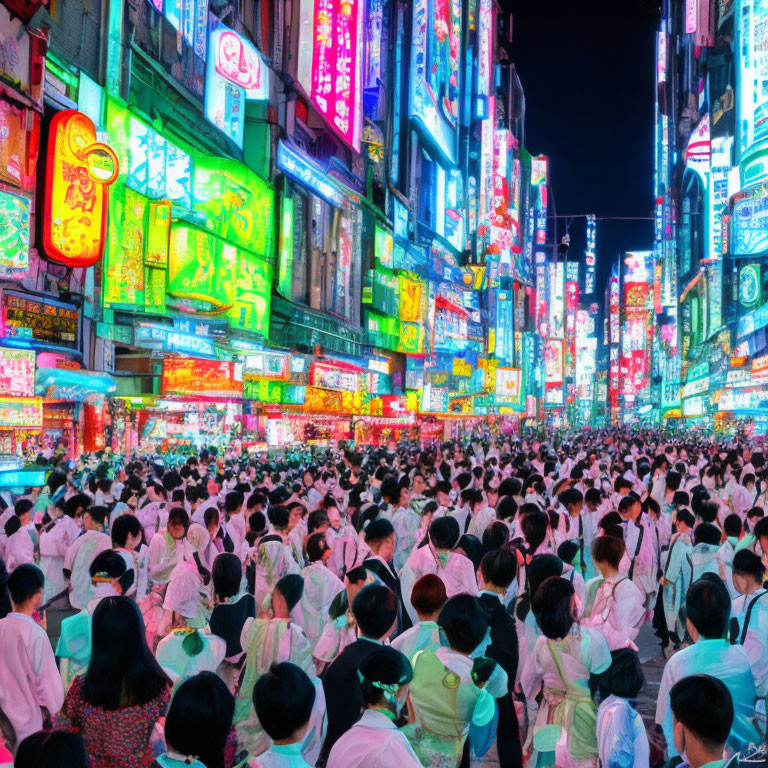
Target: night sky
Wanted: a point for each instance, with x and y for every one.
(588, 72)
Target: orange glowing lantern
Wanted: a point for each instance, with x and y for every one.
(79, 171)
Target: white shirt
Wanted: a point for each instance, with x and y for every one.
(78, 561)
(29, 678)
(373, 742)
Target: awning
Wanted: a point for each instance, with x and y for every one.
(89, 387)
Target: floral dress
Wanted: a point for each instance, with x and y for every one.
(116, 738)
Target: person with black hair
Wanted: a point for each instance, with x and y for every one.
(81, 553)
(30, 685)
(375, 610)
(436, 555)
(497, 572)
(374, 740)
(495, 536)
(56, 538)
(702, 720)
(708, 609)
(675, 580)
(341, 628)
(111, 574)
(639, 534)
(406, 522)
(233, 607)
(321, 586)
(170, 547)
(705, 554)
(569, 553)
(273, 639)
(560, 666)
(617, 608)
(272, 557)
(198, 723)
(621, 736)
(236, 525)
(284, 699)
(19, 545)
(52, 749)
(454, 685)
(116, 704)
(749, 615)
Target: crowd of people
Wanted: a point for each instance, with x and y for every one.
(471, 603)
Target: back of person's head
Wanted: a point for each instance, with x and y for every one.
(568, 550)
(123, 527)
(499, 567)
(592, 496)
(708, 607)
(464, 622)
(534, 526)
(278, 516)
(706, 533)
(608, 519)
(732, 525)
(200, 718)
(761, 528)
(673, 481)
(495, 536)
(375, 609)
(506, 509)
(747, 563)
(22, 506)
(686, 516)
(257, 522)
(707, 511)
(291, 587)
(122, 671)
(73, 503)
(12, 525)
(472, 548)
(316, 547)
(624, 678)
(681, 499)
(25, 581)
(227, 573)
(390, 490)
(444, 532)
(52, 749)
(428, 595)
(378, 530)
(703, 706)
(111, 565)
(99, 515)
(283, 699)
(383, 671)
(233, 501)
(608, 549)
(570, 497)
(552, 607)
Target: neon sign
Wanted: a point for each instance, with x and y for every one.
(79, 171)
(14, 236)
(238, 61)
(293, 164)
(331, 64)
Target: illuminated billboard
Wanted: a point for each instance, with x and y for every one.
(330, 65)
(434, 95)
(79, 170)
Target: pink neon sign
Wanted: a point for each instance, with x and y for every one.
(336, 88)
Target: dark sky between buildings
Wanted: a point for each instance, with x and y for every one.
(588, 72)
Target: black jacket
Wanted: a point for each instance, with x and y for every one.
(503, 649)
(343, 695)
